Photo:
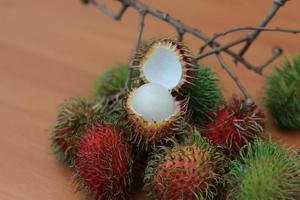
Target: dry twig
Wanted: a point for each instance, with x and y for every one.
(216, 47)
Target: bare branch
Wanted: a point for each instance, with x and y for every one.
(216, 47)
(276, 52)
(116, 16)
(176, 23)
(180, 33)
(182, 29)
(277, 4)
(236, 29)
(142, 14)
(234, 77)
(226, 46)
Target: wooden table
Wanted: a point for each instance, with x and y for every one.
(51, 50)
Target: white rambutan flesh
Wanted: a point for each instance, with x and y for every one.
(163, 67)
(153, 102)
(166, 62)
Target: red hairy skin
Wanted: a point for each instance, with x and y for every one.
(184, 172)
(234, 125)
(103, 163)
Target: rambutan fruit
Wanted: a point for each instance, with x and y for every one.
(188, 171)
(111, 81)
(234, 125)
(282, 94)
(166, 62)
(153, 114)
(266, 171)
(156, 110)
(204, 94)
(74, 116)
(103, 163)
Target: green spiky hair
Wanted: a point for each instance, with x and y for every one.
(74, 116)
(265, 171)
(111, 81)
(190, 170)
(205, 94)
(282, 94)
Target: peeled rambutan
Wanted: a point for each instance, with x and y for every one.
(103, 163)
(187, 171)
(153, 114)
(155, 110)
(265, 171)
(74, 116)
(234, 125)
(166, 62)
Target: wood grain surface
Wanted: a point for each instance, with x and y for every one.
(51, 50)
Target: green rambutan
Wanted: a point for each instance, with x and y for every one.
(282, 94)
(234, 125)
(103, 163)
(187, 171)
(111, 81)
(265, 171)
(74, 116)
(204, 94)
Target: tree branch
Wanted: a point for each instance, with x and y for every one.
(179, 26)
(277, 4)
(116, 16)
(142, 14)
(216, 47)
(234, 78)
(276, 52)
(236, 29)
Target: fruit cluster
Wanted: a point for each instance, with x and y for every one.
(173, 130)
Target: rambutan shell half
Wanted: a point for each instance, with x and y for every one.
(145, 131)
(167, 62)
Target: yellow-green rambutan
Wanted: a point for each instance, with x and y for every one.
(266, 170)
(282, 94)
(74, 116)
(110, 81)
(204, 94)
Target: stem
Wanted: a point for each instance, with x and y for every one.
(277, 4)
(137, 45)
(234, 77)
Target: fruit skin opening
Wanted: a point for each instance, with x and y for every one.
(153, 102)
(149, 134)
(174, 72)
(163, 67)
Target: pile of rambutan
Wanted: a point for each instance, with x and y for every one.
(173, 132)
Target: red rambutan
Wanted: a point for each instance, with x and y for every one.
(234, 125)
(188, 171)
(103, 163)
